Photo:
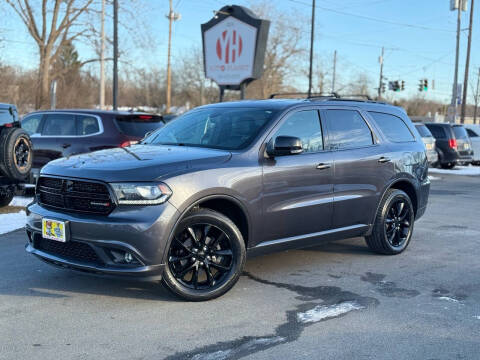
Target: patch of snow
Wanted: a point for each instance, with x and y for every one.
(21, 201)
(477, 317)
(447, 298)
(322, 312)
(431, 178)
(11, 222)
(457, 170)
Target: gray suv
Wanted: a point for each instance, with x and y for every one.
(190, 201)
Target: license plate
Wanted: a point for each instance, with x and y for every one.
(429, 146)
(53, 230)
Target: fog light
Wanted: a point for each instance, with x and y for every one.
(128, 258)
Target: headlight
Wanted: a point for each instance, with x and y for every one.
(141, 193)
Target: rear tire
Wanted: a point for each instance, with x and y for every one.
(448, 166)
(6, 199)
(393, 225)
(206, 256)
(16, 154)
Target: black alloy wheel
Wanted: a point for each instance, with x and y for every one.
(22, 153)
(201, 256)
(393, 226)
(205, 257)
(398, 222)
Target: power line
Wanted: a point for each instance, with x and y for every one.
(374, 19)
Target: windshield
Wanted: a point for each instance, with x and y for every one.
(218, 128)
(423, 131)
(460, 132)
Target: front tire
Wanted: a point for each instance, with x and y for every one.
(393, 225)
(206, 256)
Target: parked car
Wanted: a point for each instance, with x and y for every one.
(473, 132)
(16, 155)
(451, 143)
(60, 133)
(187, 203)
(429, 142)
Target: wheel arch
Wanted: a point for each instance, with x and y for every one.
(224, 204)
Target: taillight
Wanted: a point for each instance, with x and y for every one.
(128, 143)
(9, 125)
(452, 143)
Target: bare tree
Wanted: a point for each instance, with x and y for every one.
(282, 56)
(51, 27)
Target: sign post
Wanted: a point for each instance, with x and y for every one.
(234, 43)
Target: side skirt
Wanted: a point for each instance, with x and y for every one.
(308, 240)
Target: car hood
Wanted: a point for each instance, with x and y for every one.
(135, 163)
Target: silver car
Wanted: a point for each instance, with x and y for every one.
(429, 142)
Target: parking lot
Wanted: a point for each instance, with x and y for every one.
(334, 301)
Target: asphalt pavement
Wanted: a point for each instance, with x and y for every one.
(334, 301)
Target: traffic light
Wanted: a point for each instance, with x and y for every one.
(397, 86)
(420, 85)
(425, 84)
(402, 85)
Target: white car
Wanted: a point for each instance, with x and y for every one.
(474, 134)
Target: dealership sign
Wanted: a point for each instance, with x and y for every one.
(234, 46)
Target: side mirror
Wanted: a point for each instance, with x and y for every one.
(284, 145)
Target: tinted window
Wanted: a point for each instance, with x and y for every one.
(437, 131)
(30, 123)
(306, 126)
(392, 127)
(347, 129)
(87, 125)
(138, 125)
(59, 125)
(218, 128)
(471, 133)
(423, 131)
(460, 132)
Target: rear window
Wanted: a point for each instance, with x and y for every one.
(393, 127)
(138, 125)
(423, 131)
(472, 133)
(437, 131)
(460, 132)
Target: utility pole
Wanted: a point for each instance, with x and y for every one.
(115, 54)
(476, 99)
(102, 58)
(467, 64)
(334, 70)
(311, 50)
(381, 73)
(171, 18)
(455, 78)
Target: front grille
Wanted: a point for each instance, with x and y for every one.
(70, 250)
(74, 195)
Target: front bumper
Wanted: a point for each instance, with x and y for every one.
(93, 241)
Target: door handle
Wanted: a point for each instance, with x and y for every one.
(323, 166)
(66, 146)
(384, 159)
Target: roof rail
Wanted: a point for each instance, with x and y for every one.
(365, 96)
(312, 96)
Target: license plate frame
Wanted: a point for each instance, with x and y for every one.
(54, 229)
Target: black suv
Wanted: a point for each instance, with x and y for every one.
(452, 144)
(189, 202)
(61, 133)
(15, 153)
